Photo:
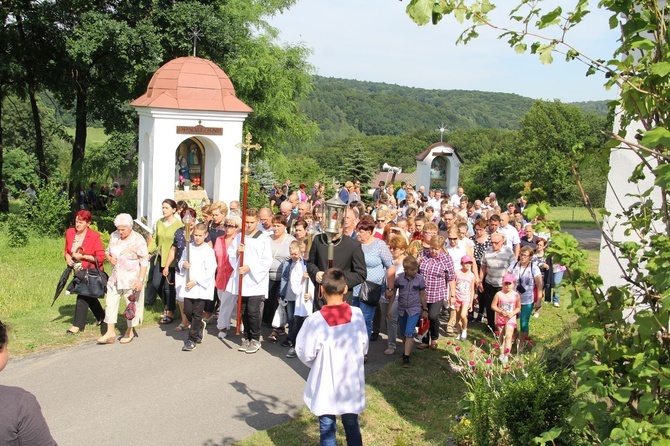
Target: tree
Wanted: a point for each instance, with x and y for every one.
(357, 165)
(622, 366)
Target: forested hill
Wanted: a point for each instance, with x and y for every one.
(374, 108)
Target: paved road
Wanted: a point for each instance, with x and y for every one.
(149, 392)
(587, 238)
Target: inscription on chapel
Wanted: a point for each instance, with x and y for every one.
(199, 130)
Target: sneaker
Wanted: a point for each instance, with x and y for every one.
(213, 318)
(286, 343)
(204, 330)
(464, 335)
(244, 346)
(188, 346)
(503, 358)
(556, 304)
(422, 346)
(254, 346)
(291, 353)
(536, 314)
(223, 334)
(405, 361)
(374, 336)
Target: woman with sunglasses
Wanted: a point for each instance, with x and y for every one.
(225, 252)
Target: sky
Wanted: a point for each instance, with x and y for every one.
(375, 40)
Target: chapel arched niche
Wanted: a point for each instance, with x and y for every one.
(190, 164)
(439, 173)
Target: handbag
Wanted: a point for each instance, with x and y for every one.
(89, 282)
(131, 308)
(422, 326)
(370, 293)
(279, 319)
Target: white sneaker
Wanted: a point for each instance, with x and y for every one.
(254, 346)
(503, 358)
(244, 346)
(464, 335)
(222, 334)
(536, 315)
(556, 304)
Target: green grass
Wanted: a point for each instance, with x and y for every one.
(94, 135)
(28, 279)
(573, 217)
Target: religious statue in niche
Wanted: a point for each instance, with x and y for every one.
(438, 169)
(189, 165)
(184, 168)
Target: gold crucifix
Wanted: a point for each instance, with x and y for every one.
(248, 146)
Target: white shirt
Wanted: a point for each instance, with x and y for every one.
(336, 382)
(203, 268)
(511, 235)
(258, 255)
(456, 200)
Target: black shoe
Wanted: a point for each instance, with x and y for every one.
(405, 361)
(189, 346)
(286, 343)
(374, 336)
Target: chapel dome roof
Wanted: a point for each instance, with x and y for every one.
(191, 83)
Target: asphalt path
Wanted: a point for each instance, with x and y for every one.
(149, 392)
(587, 238)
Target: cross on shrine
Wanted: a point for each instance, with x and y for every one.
(195, 34)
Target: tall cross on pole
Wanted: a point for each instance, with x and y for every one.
(195, 35)
(245, 187)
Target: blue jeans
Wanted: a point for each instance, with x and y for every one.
(558, 278)
(290, 312)
(351, 430)
(368, 314)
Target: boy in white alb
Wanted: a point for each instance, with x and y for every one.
(333, 343)
(199, 288)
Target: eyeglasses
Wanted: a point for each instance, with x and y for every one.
(430, 233)
(229, 226)
(496, 243)
(453, 238)
(381, 221)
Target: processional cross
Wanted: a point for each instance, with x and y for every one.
(245, 188)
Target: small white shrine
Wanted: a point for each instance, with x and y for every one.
(438, 167)
(190, 127)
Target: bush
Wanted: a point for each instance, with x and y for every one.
(18, 230)
(536, 404)
(49, 213)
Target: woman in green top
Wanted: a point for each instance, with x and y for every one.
(160, 245)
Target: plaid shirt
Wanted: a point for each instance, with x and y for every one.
(438, 272)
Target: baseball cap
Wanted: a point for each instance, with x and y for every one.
(467, 259)
(509, 278)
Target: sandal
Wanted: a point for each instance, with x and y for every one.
(166, 319)
(182, 327)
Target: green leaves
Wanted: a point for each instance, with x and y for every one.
(420, 11)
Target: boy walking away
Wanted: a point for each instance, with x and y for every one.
(333, 343)
(201, 266)
(412, 304)
(295, 290)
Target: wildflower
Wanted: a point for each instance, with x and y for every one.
(472, 363)
(483, 341)
(496, 345)
(458, 419)
(530, 344)
(496, 333)
(527, 338)
(483, 352)
(488, 374)
(471, 351)
(448, 342)
(488, 361)
(506, 351)
(458, 349)
(466, 422)
(520, 364)
(506, 367)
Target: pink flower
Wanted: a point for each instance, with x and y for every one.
(488, 361)
(527, 338)
(458, 349)
(471, 351)
(506, 367)
(483, 352)
(530, 344)
(472, 363)
(520, 364)
(448, 342)
(483, 341)
(488, 374)
(506, 351)
(496, 333)
(496, 345)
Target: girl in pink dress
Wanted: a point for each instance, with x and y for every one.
(506, 304)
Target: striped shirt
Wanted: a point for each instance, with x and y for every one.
(496, 263)
(437, 272)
